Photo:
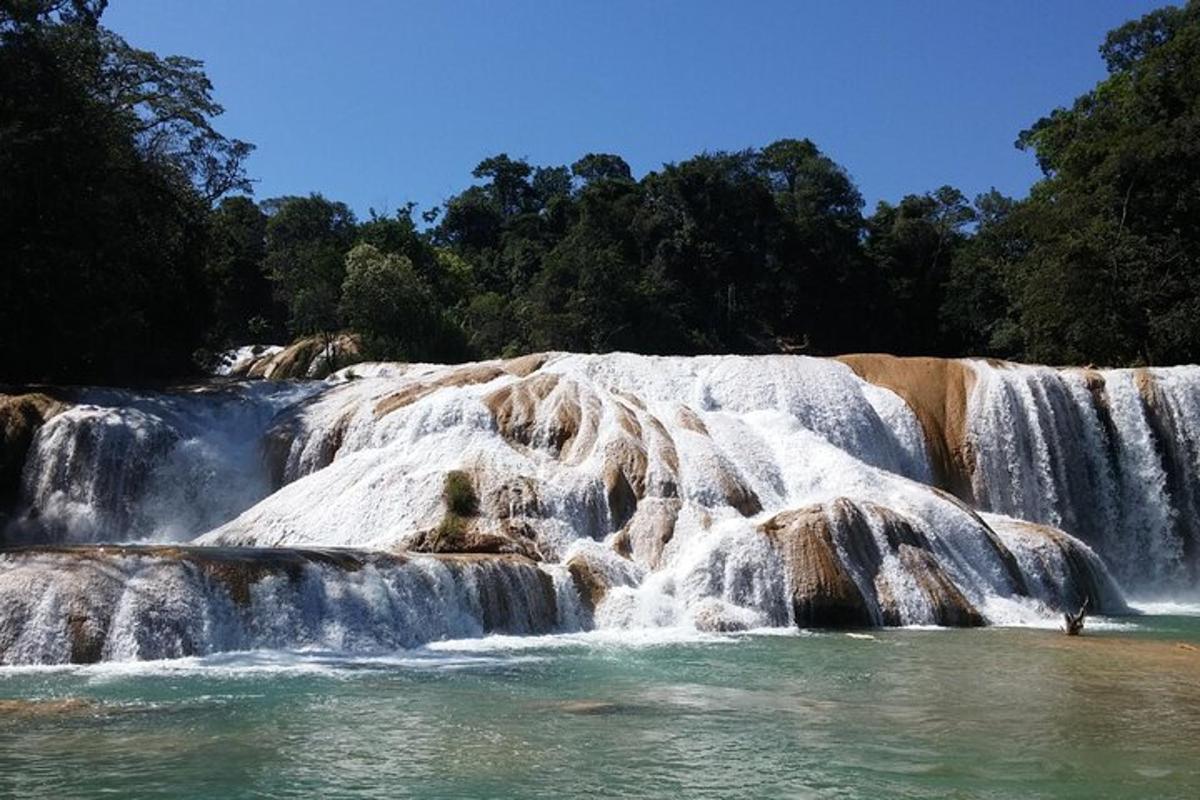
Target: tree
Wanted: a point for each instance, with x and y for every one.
(399, 234)
(109, 160)
(1119, 207)
(708, 230)
(244, 308)
(394, 310)
(505, 226)
(822, 286)
(508, 186)
(587, 294)
(977, 313)
(912, 245)
(306, 242)
(601, 167)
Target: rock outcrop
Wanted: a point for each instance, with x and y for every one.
(856, 565)
(1058, 568)
(719, 492)
(20, 417)
(824, 593)
(311, 357)
(937, 390)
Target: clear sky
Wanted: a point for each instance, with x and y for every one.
(375, 103)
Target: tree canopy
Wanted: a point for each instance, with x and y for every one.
(109, 163)
(130, 244)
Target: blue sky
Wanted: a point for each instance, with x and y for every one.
(375, 103)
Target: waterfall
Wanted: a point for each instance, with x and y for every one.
(85, 604)
(1109, 456)
(608, 491)
(125, 466)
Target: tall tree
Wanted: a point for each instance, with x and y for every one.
(244, 308)
(913, 244)
(109, 160)
(306, 240)
(822, 284)
(1113, 270)
(394, 308)
(708, 231)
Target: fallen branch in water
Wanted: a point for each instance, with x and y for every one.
(1075, 621)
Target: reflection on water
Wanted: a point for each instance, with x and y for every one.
(998, 713)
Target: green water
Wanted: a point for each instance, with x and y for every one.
(988, 713)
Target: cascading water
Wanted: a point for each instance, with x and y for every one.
(83, 605)
(125, 466)
(1109, 456)
(723, 493)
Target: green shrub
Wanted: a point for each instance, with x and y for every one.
(459, 495)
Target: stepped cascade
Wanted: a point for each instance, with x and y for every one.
(610, 491)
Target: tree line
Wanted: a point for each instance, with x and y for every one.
(133, 250)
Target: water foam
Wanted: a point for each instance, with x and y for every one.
(710, 448)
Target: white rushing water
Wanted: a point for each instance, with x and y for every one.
(650, 488)
(121, 465)
(1096, 461)
(79, 605)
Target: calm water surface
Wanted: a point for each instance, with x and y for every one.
(990, 713)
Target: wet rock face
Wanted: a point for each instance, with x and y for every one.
(721, 492)
(649, 531)
(313, 357)
(92, 603)
(20, 417)
(937, 390)
(589, 582)
(1177, 456)
(858, 565)
(1059, 569)
(121, 465)
(950, 607)
(472, 536)
(824, 594)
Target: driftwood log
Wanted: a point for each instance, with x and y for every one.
(1075, 621)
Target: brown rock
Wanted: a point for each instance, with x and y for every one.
(688, 419)
(739, 495)
(526, 365)
(950, 607)
(297, 359)
(648, 531)
(590, 707)
(624, 478)
(823, 593)
(1083, 579)
(515, 409)
(29, 709)
(472, 535)
(936, 389)
(589, 583)
(20, 417)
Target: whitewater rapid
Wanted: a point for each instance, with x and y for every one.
(714, 493)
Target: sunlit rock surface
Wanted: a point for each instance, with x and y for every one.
(312, 357)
